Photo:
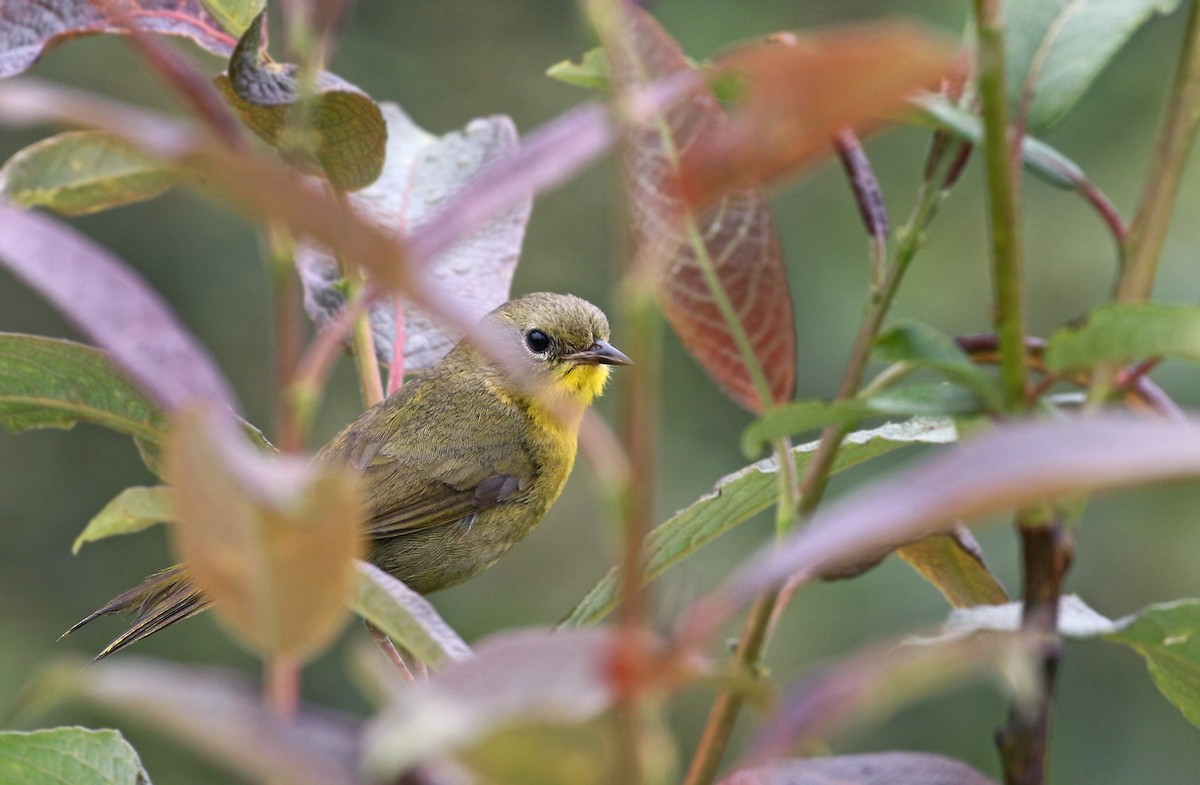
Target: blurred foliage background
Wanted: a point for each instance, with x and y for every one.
(453, 60)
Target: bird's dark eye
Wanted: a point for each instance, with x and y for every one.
(537, 341)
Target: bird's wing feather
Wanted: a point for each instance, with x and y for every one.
(421, 470)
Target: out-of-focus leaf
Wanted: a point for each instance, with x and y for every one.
(1040, 159)
(235, 16)
(82, 172)
(514, 679)
(107, 300)
(719, 272)
(349, 134)
(134, 510)
(1065, 44)
(51, 383)
(921, 346)
(271, 541)
(30, 27)
(422, 173)
(1168, 637)
(1124, 332)
(916, 400)
(78, 756)
(590, 72)
(875, 768)
(221, 715)
(877, 682)
(800, 90)
(406, 617)
(1012, 467)
(953, 563)
(737, 497)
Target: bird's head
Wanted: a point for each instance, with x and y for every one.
(556, 345)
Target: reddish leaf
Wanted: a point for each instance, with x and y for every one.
(28, 28)
(877, 768)
(734, 238)
(800, 91)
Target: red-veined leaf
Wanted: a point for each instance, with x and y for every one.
(719, 271)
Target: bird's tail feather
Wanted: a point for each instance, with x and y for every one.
(159, 601)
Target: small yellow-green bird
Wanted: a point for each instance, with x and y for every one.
(459, 464)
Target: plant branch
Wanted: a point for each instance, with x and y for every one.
(1148, 230)
(756, 629)
(1002, 203)
(286, 294)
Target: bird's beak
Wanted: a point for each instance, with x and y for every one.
(599, 353)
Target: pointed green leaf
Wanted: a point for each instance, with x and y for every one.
(82, 172)
(1039, 158)
(954, 564)
(591, 72)
(74, 756)
(737, 497)
(408, 618)
(1064, 44)
(920, 346)
(133, 510)
(1124, 332)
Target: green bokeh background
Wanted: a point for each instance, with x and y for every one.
(453, 60)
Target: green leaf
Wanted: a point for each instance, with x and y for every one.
(346, 135)
(936, 399)
(920, 346)
(234, 16)
(78, 756)
(737, 497)
(954, 564)
(1039, 158)
(133, 510)
(51, 383)
(1168, 637)
(1123, 332)
(407, 617)
(590, 73)
(81, 172)
(797, 417)
(1065, 44)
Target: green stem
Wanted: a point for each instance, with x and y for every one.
(1002, 203)
(756, 629)
(1148, 230)
(286, 291)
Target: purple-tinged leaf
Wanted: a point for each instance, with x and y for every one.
(422, 172)
(110, 303)
(874, 768)
(28, 28)
(719, 272)
(1012, 467)
(875, 683)
(222, 716)
(514, 679)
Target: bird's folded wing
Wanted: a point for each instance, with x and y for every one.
(432, 502)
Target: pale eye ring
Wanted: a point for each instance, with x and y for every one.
(537, 341)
